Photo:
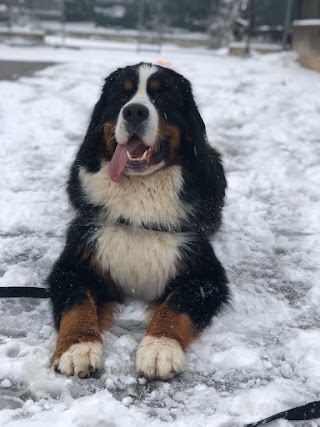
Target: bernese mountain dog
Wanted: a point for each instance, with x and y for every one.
(147, 191)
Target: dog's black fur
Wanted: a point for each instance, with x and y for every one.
(201, 289)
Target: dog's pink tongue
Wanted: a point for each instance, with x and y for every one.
(118, 163)
(119, 159)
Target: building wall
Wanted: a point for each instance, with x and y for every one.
(306, 42)
(310, 9)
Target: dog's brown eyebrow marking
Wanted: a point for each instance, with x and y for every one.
(128, 85)
(155, 84)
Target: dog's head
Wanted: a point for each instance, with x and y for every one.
(146, 118)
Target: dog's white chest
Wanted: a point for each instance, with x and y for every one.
(152, 200)
(140, 261)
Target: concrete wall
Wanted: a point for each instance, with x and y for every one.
(306, 42)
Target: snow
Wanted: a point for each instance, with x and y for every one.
(262, 354)
(89, 29)
(257, 46)
(306, 22)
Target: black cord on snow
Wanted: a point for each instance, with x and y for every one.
(310, 411)
(20, 292)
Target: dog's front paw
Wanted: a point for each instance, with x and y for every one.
(80, 359)
(161, 358)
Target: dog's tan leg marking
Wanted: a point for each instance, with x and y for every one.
(152, 308)
(162, 352)
(106, 313)
(79, 345)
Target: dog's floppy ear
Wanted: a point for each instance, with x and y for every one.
(196, 133)
(98, 109)
(90, 150)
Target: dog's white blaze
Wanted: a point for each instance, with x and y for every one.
(140, 261)
(149, 200)
(141, 97)
(145, 71)
(160, 358)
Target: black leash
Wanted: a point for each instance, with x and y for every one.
(310, 411)
(21, 292)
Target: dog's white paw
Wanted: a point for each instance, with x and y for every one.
(161, 358)
(80, 359)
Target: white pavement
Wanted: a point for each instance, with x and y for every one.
(261, 355)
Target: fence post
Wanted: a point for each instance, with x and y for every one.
(9, 22)
(63, 22)
(250, 24)
(286, 25)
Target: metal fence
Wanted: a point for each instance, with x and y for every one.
(266, 20)
(20, 12)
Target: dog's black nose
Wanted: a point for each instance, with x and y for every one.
(135, 113)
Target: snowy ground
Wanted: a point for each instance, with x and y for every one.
(261, 355)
